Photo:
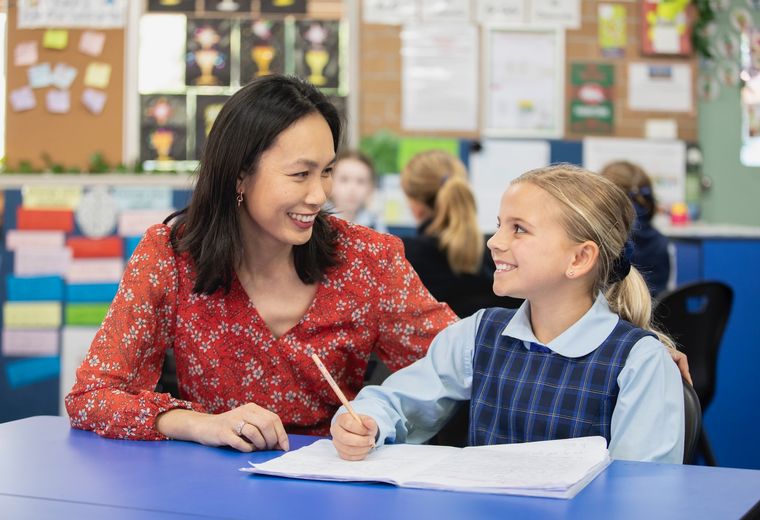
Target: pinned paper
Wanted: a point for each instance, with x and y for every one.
(24, 315)
(135, 222)
(22, 99)
(40, 76)
(63, 75)
(34, 288)
(37, 197)
(56, 39)
(98, 75)
(75, 342)
(91, 43)
(143, 197)
(30, 343)
(17, 239)
(86, 314)
(41, 261)
(88, 270)
(94, 100)
(58, 101)
(25, 372)
(25, 54)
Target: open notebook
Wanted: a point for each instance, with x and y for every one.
(559, 468)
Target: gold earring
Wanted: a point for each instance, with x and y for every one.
(239, 198)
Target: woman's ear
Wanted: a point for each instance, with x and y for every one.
(240, 185)
(584, 259)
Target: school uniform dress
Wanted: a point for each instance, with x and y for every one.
(226, 355)
(602, 376)
(465, 293)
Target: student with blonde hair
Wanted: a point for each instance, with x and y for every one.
(449, 250)
(578, 358)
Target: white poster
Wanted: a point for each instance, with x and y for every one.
(500, 11)
(445, 10)
(71, 13)
(389, 12)
(663, 161)
(556, 13)
(495, 166)
(524, 82)
(439, 77)
(660, 87)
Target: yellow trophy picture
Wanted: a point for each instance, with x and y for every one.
(262, 56)
(161, 140)
(316, 59)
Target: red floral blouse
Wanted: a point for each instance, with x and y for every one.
(225, 354)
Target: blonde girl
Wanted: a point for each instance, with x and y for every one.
(578, 358)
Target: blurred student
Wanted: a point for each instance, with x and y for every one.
(354, 182)
(448, 251)
(651, 255)
(578, 358)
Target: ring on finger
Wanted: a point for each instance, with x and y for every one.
(239, 429)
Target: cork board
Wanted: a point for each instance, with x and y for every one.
(70, 138)
(380, 76)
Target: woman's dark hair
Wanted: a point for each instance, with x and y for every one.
(248, 124)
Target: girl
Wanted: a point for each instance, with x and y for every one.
(577, 358)
(448, 251)
(353, 188)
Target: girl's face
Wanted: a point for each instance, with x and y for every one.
(283, 196)
(531, 249)
(352, 185)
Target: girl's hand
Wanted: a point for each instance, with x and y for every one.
(245, 428)
(683, 364)
(353, 440)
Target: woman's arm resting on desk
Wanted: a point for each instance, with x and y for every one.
(245, 428)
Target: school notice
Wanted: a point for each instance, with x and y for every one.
(557, 469)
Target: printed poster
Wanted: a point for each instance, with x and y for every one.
(591, 106)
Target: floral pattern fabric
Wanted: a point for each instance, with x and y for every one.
(226, 355)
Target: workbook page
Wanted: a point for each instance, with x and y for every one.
(320, 460)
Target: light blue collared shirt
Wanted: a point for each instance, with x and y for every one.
(413, 404)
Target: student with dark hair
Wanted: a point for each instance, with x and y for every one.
(245, 284)
(650, 247)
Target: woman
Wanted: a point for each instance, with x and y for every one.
(449, 250)
(245, 284)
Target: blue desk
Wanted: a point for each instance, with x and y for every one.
(48, 467)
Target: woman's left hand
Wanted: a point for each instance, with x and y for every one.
(683, 364)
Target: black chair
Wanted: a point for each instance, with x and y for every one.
(692, 422)
(695, 316)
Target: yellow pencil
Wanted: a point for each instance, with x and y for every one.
(335, 387)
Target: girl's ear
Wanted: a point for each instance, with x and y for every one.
(584, 259)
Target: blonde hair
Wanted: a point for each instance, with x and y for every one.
(633, 180)
(594, 208)
(439, 180)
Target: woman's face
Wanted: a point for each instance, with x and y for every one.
(352, 185)
(283, 196)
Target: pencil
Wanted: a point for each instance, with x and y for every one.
(335, 387)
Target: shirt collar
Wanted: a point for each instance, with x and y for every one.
(583, 336)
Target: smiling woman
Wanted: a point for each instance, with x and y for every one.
(245, 284)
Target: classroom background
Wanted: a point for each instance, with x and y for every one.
(107, 105)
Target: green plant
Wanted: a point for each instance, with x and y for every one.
(25, 166)
(98, 163)
(382, 148)
(700, 38)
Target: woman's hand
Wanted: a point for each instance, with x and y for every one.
(683, 364)
(353, 440)
(245, 428)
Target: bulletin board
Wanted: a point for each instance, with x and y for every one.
(69, 139)
(380, 82)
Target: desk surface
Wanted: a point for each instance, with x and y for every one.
(49, 468)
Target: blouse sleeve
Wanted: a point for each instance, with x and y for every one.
(409, 317)
(114, 390)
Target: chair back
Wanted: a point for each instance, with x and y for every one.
(692, 422)
(695, 316)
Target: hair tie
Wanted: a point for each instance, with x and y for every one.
(622, 264)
